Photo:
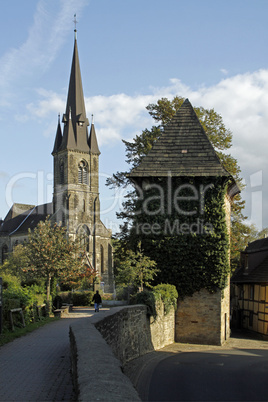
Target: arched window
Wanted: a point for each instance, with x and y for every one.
(62, 173)
(4, 252)
(83, 234)
(102, 258)
(82, 173)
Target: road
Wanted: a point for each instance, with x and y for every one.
(235, 372)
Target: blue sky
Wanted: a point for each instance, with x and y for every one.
(131, 54)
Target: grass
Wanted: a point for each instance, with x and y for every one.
(8, 336)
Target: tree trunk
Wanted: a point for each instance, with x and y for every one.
(48, 292)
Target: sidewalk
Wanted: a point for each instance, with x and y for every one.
(36, 367)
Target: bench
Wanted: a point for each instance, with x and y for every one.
(63, 311)
(70, 306)
(16, 310)
(39, 310)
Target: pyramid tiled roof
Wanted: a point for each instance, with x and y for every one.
(183, 149)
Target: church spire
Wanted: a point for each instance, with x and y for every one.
(92, 142)
(58, 138)
(75, 113)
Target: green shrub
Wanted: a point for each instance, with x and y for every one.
(148, 298)
(164, 292)
(168, 294)
(125, 292)
(66, 297)
(82, 298)
(15, 296)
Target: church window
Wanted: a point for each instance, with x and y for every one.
(4, 252)
(61, 173)
(110, 257)
(102, 258)
(83, 235)
(82, 173)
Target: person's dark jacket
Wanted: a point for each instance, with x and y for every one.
(97, 298)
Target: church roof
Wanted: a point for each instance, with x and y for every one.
(183, 149)
(28, 218)
(58, 138)
(75, 133)
(93, 143)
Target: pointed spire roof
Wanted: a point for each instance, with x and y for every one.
(58, 138)
(68, 139)
(75, 138)
(183, 149)
(92, 142)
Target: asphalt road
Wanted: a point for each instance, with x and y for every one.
(235, 372)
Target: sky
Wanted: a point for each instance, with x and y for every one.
(131, 53)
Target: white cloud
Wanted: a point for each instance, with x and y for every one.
(241, 100)
(50, 102)
(40, 49)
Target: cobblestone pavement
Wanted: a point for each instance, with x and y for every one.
(36, 367)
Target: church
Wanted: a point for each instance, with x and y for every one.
(75, 203)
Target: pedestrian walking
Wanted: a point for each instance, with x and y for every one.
(97, 301)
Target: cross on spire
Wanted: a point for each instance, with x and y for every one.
(75, 23)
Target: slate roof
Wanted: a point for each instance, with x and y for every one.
(257, 275)
(75, 131)
(93, 143)
(257, 245)
(28, 219)
(260, 273)
(183, 149)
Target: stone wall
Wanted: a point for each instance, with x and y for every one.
(102, 344)
(131, 333)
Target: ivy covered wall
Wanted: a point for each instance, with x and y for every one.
(182, 225)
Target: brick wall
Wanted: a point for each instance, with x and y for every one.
(203, 318)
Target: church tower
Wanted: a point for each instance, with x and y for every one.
(76, 179)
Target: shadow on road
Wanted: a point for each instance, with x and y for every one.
(236, 371)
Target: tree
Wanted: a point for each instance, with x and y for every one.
(135, 269)
(50, 253)
(220, 137)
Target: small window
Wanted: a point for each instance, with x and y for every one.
(82, 173)
(102, 258)
(250, 323)
(62, 173)
(251, 292)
